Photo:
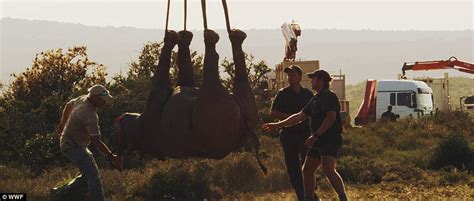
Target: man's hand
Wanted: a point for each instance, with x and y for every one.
(270, 126)
(310, 141)
(117, 161)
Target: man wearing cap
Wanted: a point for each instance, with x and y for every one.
(78, 127)
(288, 101)
(326, 134)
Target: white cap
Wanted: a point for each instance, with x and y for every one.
(101, 91)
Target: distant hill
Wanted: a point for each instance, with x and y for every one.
(359, 54)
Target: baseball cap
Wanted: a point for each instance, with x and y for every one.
(101, 91)
(293, 68)
(320, 74)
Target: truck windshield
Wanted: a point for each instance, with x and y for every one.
(425, 102)
(425, 91)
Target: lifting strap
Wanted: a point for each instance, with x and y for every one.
(226, 13)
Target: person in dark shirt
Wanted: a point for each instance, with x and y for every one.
(288, 101)
(326, 134)
(388, 115)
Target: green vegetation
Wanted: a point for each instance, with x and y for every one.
(378, 161)
(424, 158)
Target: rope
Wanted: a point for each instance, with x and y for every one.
(226, 12)
(167, 16)
(185, 13)
(204, 18)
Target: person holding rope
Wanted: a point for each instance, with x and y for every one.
(326, 135)
(78, 127)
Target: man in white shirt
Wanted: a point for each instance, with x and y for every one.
(79, 126)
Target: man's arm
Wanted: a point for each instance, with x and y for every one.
(65, 116)
(291, 120)
(92, 126)
(329, 106)
(327, 123)
(97, 141)
(279, 115)
(99, 144)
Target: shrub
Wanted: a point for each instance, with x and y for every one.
(400, 172)
(41, 150)
(453, 151)
(243, 174)
(451, 176)
(178, 182)
(360, 170)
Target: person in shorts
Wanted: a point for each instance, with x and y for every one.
(325, 140)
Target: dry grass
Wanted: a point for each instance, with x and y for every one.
(128, 184)
(378, 162)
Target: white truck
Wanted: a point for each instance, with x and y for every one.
(407, 98)
(467, 103)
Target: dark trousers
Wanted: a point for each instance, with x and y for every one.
(295, 153)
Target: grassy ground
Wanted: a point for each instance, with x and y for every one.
(125, 185)
(376, 192)
(377, 162)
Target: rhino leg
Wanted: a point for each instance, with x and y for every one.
(216, 116)
(241, 87)
(161, 78)
(160, 92)
(185, 74)
(211, 63)
(243, 93)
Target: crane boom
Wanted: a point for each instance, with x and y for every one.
(451, 63)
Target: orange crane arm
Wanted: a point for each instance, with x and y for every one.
(451, 63)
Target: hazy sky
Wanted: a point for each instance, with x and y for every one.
(255, 14)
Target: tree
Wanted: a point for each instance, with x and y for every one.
(56, 73)
(256, 70)
(32, 103)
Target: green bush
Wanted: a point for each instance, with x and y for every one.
(178, 182)
(451, 176)
(360, 170)
(401, 172)
(362, 143)
(243, 174)
(41, 150)
(453, 151)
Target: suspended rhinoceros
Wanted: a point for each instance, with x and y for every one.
(186, 121)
